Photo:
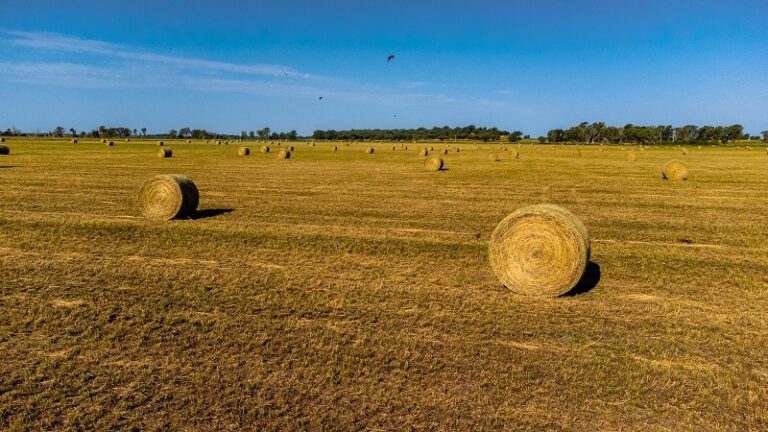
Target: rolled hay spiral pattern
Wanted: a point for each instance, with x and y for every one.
(165, 153)
(434, 163)
(675, 170)
(540, 250)
(243, 151)
(284, 154)
(166, 197)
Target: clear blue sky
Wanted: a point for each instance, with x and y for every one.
(229, 66)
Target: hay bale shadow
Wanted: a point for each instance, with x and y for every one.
(589, 280)
(209, 213)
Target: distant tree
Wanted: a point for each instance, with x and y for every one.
(542, 139)
(172, 133)
(185, 132)
(144, 131)
(251, 134)
(292, 136)
(765, 135)
(515, 136)
(556, 136)
(58, 132)
(274, 136)
(264, 133)
(135, 132)
(243, 134)
(73, 132)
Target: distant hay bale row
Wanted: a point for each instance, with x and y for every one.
(243, 151)
(166, 197)
(540, 250)
(165, 153)
(675, 170)
(434, 163)
(5, 150)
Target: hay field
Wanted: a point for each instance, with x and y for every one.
(339, 290)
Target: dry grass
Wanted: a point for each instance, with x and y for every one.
(353, 293)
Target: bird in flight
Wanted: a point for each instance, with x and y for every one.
(320, 98)
(390, 58)
(285, 73)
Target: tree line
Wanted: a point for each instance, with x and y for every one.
(444, 133)
(600, 133)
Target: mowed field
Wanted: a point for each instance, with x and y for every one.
(347, 291)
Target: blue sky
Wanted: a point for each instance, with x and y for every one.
(229, 66)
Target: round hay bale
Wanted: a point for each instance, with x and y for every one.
(369, 150)
(218, 142)
(675, 170)
(423, 152)
(2, 140)
(189, 141)
(110, 143)
(493, 157)
(160, 143)
(334, 148)
(444, 152)
(243, 151)
(515, 154)
(103, 140)
(540, 250)
(284, 154)
(5, 150)
(74, 141)
(431, 148)
(684, 152)
(630, 157)
(166, 197)
(265, 149)
(165, 153)
(394, 148)
(127, 140)
(433, 163)
(290, 148)
(457, 149)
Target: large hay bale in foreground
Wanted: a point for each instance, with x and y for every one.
(284, 154)
(540, 250)
(369, 150)
(165, 153)
(243, 151)
(434, 163)
(166, 197)
(493, 157)
(5, 150)
(675, 170)
(265, 149)
(630, 157)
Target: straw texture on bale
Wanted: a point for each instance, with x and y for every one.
(540, 250)
(243, 151)
(630, 157)
(423, 152)
(165, 153)
(675, 170)
(5, 150)
(265, 149)
(493, 157)
(369, 150)
(166, 197)
(433, 163)
(284, 154)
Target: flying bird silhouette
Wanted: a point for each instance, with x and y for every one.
(320, 98)
(390, 58)
(285, 73)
